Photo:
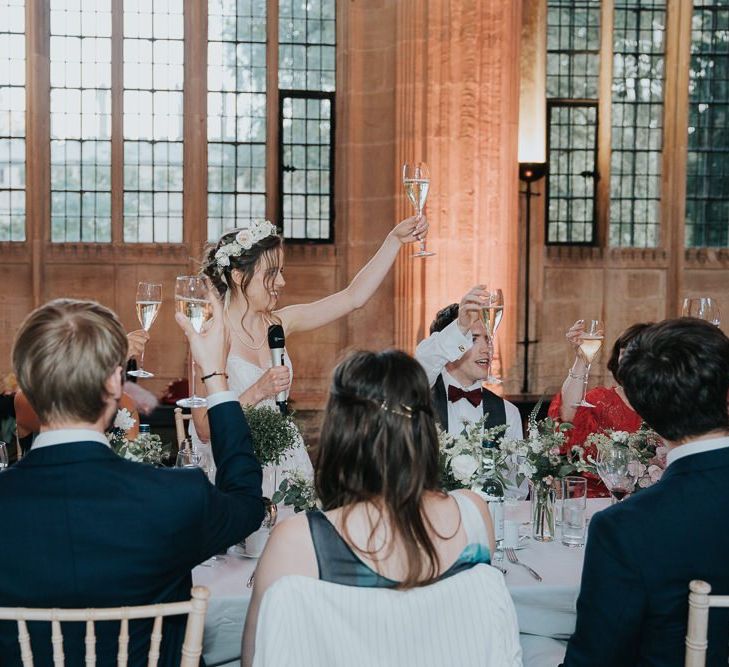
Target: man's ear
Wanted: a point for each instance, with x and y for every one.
(114, 384)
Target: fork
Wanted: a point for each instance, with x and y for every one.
(511, 555)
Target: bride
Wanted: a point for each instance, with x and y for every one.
(246, 268)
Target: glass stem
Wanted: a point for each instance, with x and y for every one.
(491, 355)
(141, 360)
(584, 383)
(192, 393)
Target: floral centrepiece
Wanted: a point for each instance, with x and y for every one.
(297, 491)
(645, 443)
(272, 433)
(463, 457)
(145, 448)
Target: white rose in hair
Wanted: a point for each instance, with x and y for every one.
(463, 467)
(245, 238)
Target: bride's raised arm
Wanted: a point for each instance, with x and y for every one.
(307, 316)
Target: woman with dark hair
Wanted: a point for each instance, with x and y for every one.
(385, 522)
(612, 409)
(246, 268)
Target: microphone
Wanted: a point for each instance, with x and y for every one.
(277, 341)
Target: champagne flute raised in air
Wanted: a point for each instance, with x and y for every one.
(149, 300)
(416, 179)
(491, 315)
(191, 299)
(589, 346)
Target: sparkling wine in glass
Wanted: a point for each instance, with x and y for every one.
(616, 467)
(590, 344)
(703, 307)
(416, 180)
(191, 299)
(149, 301)
(491, 316)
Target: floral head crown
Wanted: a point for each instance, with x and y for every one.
(244, 240)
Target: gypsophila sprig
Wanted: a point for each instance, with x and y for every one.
(645, 443)
(462, 456)
(273, 434)
(297, 491)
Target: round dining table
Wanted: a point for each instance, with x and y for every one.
(546, 609)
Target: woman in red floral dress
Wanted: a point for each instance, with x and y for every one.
(612, 410)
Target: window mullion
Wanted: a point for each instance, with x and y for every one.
(273, 156)
(602, 208)
(117, 116)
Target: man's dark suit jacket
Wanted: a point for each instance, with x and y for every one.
(641, 555)
(82, 527)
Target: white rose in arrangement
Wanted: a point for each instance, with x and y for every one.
(463, 466)
(620, 436)
(124, 420)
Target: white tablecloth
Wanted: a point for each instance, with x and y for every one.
(546, 609)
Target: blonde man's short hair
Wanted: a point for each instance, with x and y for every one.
(63, 354)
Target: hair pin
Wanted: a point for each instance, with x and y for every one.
(408, 411)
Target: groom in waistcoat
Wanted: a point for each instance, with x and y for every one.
(456, 359)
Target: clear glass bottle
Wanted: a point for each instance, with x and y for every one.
(492, 491)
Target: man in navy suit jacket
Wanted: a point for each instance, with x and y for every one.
(642, 553)
(83, 527)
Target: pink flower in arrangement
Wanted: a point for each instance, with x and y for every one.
(548, 480)
(636, 469)
(655, 473)
(555, 451)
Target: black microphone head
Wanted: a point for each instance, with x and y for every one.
(276, 338)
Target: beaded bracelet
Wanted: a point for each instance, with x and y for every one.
(207, 377)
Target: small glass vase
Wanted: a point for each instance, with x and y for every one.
(542, 511)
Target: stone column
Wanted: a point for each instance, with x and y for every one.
(457, 108)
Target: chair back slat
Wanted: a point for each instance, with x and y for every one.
(192, 644)
(155, 642)
(122, 656)
(57, 641)
(26, 654)
(90, 642)
(195, 609)
(180, 426)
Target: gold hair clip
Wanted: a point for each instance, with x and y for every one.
(408, 411)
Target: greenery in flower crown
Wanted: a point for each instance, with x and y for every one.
(463, 457)
(273, 434)
(298, 491)
(541, 456)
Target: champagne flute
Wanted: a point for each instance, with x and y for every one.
(616, 467)
(416, 179)
(491, 316)
(191, 299)
(149, 300)
(590, 344)
(4, 460)
(704, 308)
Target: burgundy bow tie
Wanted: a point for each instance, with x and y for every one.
(474, 396)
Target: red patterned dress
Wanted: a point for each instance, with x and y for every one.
(610, 412)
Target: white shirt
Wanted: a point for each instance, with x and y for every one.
(448, 345)
(696, 447)
(64, 435)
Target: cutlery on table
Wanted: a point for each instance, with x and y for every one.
(511, 555)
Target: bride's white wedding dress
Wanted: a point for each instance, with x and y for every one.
(241, 375)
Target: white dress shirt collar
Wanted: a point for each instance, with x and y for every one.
(449, 379)
(63, 436)
(696, 447)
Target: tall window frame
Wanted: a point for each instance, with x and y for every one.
(118, 240)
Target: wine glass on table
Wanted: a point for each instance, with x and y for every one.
(491, 316)
(616, 467)
(590, 344)
(702, 307)
(149, 301)
(416, 180)
(191, 299)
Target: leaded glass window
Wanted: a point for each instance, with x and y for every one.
(637, 122)
(707, 171)
(12, 120)
(153, 120)
(307, 54)
(236, 113)
(80, 109)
